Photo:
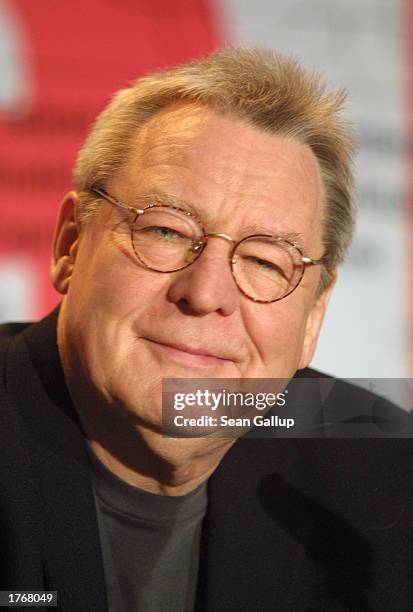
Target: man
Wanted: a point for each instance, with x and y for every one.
(213, 204)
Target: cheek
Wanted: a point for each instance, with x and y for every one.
(106, 281)
(277, 333)
(104, 308)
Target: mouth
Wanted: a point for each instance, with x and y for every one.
(188, 355)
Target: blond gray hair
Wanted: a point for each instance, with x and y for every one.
(262, 87)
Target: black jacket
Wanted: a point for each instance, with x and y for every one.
(292, 525)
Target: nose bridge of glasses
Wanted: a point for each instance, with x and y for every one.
(220, 235)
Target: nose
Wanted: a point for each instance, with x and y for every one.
(208, 285)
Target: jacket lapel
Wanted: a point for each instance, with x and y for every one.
(69, 530)
(256, 529)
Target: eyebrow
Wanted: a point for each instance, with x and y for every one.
(164, 198)
(294, 237)
(172, 200)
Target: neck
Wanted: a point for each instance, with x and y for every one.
(143, 456)
(155, 465)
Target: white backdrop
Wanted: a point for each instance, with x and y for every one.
(359, 45)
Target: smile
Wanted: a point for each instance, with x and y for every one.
(188, 355)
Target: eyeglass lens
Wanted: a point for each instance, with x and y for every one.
(264, 268)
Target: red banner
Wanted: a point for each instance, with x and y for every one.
(60, 64)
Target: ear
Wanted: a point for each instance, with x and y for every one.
(65, 243)
(313, 324)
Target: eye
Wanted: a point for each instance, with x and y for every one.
(265, 265)
(161, 233)
(165, 232)
(165, 225)
(262, 263)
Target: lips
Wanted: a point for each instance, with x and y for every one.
(203, 354)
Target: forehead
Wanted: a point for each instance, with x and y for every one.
(226, 168)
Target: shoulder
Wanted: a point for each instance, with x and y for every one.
(17, 334)
(354, 405)
(23, 346)
(8, 333)
(10, 330)
(345, 438)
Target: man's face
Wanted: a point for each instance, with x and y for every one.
(124, 328)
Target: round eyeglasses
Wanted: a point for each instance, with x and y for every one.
(166, 238)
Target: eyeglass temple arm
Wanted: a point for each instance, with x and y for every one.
(314, 262)
(106, 196)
